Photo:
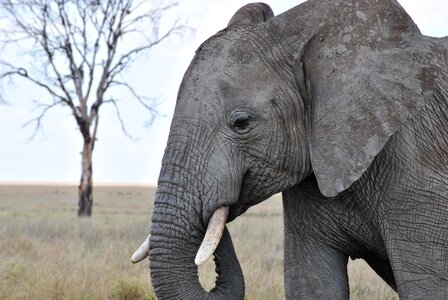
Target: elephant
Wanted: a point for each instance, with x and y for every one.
(341, 105)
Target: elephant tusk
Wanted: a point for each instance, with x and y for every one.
(142, 252)
(215, 229)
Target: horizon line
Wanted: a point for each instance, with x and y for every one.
(73, 183)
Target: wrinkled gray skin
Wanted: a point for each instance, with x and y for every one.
(342, 105)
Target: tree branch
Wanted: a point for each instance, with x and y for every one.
(75, 71)
(21, 72)
(149, 104)
(38, 119)
(51, 59)
(117, 111)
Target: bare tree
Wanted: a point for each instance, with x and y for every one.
(78, 52)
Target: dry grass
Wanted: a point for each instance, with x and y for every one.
(48, 253)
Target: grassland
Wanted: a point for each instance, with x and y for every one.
(46, 252)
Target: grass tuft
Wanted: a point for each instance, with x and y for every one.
(130, 289)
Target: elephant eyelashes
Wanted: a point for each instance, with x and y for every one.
(240, 121)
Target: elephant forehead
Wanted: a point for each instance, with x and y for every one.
(223, 72)
(238, 44)
(230, 88)
(233, 61)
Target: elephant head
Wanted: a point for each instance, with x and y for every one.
(265, 103)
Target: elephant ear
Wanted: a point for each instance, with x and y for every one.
(251, 13)
(365, 77)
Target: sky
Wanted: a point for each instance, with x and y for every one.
(54, 155)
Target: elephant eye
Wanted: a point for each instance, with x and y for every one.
(240, 120)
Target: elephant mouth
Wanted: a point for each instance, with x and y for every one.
(212, 237)
(215, 230)
(236, 211)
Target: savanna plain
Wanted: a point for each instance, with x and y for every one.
(46, 252)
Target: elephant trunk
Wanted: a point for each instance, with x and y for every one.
(176, 234)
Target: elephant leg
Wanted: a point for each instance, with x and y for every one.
(417, 279)
(313, 269)
(419, 263)
(416, 235)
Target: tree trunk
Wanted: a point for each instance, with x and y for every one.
(85, 186)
